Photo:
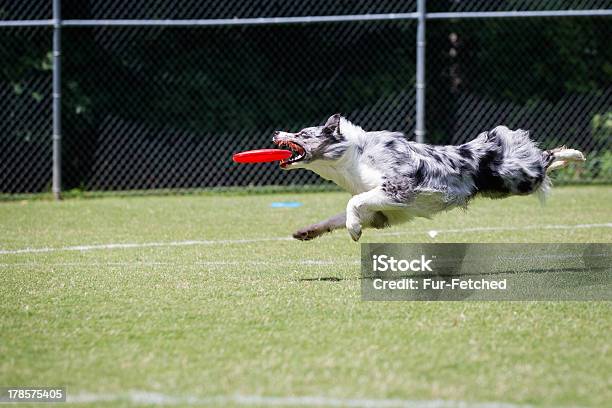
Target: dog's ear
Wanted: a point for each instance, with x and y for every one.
(332, 125)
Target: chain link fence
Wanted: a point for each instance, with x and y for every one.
(549, 75)
(25, 109)
(147, 105)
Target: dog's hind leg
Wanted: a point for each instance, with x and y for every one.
(561, 157)
(320, 228)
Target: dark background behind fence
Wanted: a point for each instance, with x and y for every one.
(161, 107)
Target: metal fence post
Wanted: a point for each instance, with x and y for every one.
(419, 131)
(57, 100)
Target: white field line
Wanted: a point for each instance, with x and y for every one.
(301, 262)
(489, 229)
(128, 245)
(151, 398)
(83, 248)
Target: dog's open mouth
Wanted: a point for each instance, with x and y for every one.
(298, 152)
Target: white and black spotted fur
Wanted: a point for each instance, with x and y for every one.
(393, 180)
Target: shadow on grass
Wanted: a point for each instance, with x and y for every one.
(322, 279)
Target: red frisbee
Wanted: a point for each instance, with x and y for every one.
(262, 156)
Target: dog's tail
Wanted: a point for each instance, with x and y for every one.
(560, 157)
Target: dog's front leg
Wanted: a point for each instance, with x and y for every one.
(361, 210)
(320, 228)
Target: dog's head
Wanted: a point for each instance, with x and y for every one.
(313, 143)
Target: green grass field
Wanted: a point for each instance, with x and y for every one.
(238, 314)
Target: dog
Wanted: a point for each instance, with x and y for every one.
(393, 180)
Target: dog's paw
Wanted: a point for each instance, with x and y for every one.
(569, 155)
(306, 234)
(354, 230)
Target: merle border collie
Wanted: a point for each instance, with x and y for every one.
(393, 180)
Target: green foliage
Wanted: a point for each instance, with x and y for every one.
(602, 127)
(598, 166)
(25, 59)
